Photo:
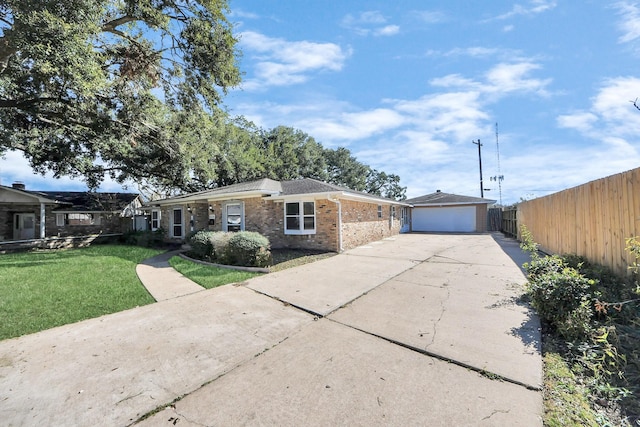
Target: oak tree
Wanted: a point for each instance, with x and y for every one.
(95, 87)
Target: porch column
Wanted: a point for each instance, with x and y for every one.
(42, 221)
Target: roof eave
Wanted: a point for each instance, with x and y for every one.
(180, 200)
(336, 194)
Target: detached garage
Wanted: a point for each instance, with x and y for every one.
(443, 212)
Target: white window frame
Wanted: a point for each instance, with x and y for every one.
(225, 207)
(64, 219)
(175, 224)
(379, 211)
(301, 217)
(156, 220)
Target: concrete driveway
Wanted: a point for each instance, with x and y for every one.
(421, 329)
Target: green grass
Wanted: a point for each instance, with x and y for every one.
(566, 401)
(209, 276)
(41, 290)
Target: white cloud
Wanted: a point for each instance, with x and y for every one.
(582, 121)
(508, 55)
(430, 17)
(388, 30)
(629, 23)
(534, 7)
(499, 80)
(513, 77)
(239, 13)
(611, 112)
(280, 62)
(369, 23)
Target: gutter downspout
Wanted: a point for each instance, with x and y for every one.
(337, 202)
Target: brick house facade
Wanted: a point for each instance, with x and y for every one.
(304, 213)
(27, 215)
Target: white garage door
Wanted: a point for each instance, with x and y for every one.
(461, 219)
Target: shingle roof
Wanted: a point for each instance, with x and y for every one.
(88, 201)
(310, 186)
(440, 198)
(270, 187)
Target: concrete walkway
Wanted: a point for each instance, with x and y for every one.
(417, 330)
(162, 281)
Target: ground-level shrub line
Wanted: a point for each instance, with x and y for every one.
(581, 304)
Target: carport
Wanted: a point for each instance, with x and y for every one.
(444, 212)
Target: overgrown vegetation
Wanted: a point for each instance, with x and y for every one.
(244, 248)
(41, 290)
(592, 341)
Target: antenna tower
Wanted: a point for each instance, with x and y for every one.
(500, 177)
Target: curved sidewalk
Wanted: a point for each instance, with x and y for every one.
(162, 281)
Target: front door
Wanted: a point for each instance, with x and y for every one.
(24, 226)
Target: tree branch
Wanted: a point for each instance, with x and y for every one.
(22, 103)
(111, 25)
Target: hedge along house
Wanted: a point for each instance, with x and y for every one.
(304, 214)
(444, 212)
(28, 215)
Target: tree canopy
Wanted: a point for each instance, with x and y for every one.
(87, 86)
(132, 89)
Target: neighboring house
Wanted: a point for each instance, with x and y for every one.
(26, 215)
(442, 212)
(302, 213)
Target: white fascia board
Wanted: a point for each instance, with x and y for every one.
(438, 205)
(181, 200)
(39, 199)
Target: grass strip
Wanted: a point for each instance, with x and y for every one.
(209, 276)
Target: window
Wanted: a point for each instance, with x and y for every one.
(233, 217)
(300, 218)
(155, 220)
(63, 219)
(379, 211)
(176, 226)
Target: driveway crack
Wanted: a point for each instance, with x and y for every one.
(443, 309)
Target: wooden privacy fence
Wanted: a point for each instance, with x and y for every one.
(592, 220)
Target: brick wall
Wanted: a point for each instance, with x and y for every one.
(360, 222)
(109, 223)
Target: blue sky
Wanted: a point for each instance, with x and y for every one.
(408, 85)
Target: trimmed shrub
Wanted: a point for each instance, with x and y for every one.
(219, 242)
(201, 247)
(248, 248)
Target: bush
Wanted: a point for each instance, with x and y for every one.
(201, 247)
(249, 249)
(145, 239)
(219, 242)
(564, 299)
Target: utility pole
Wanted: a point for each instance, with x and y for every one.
(480, 163)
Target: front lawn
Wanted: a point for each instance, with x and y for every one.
(41, 290)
